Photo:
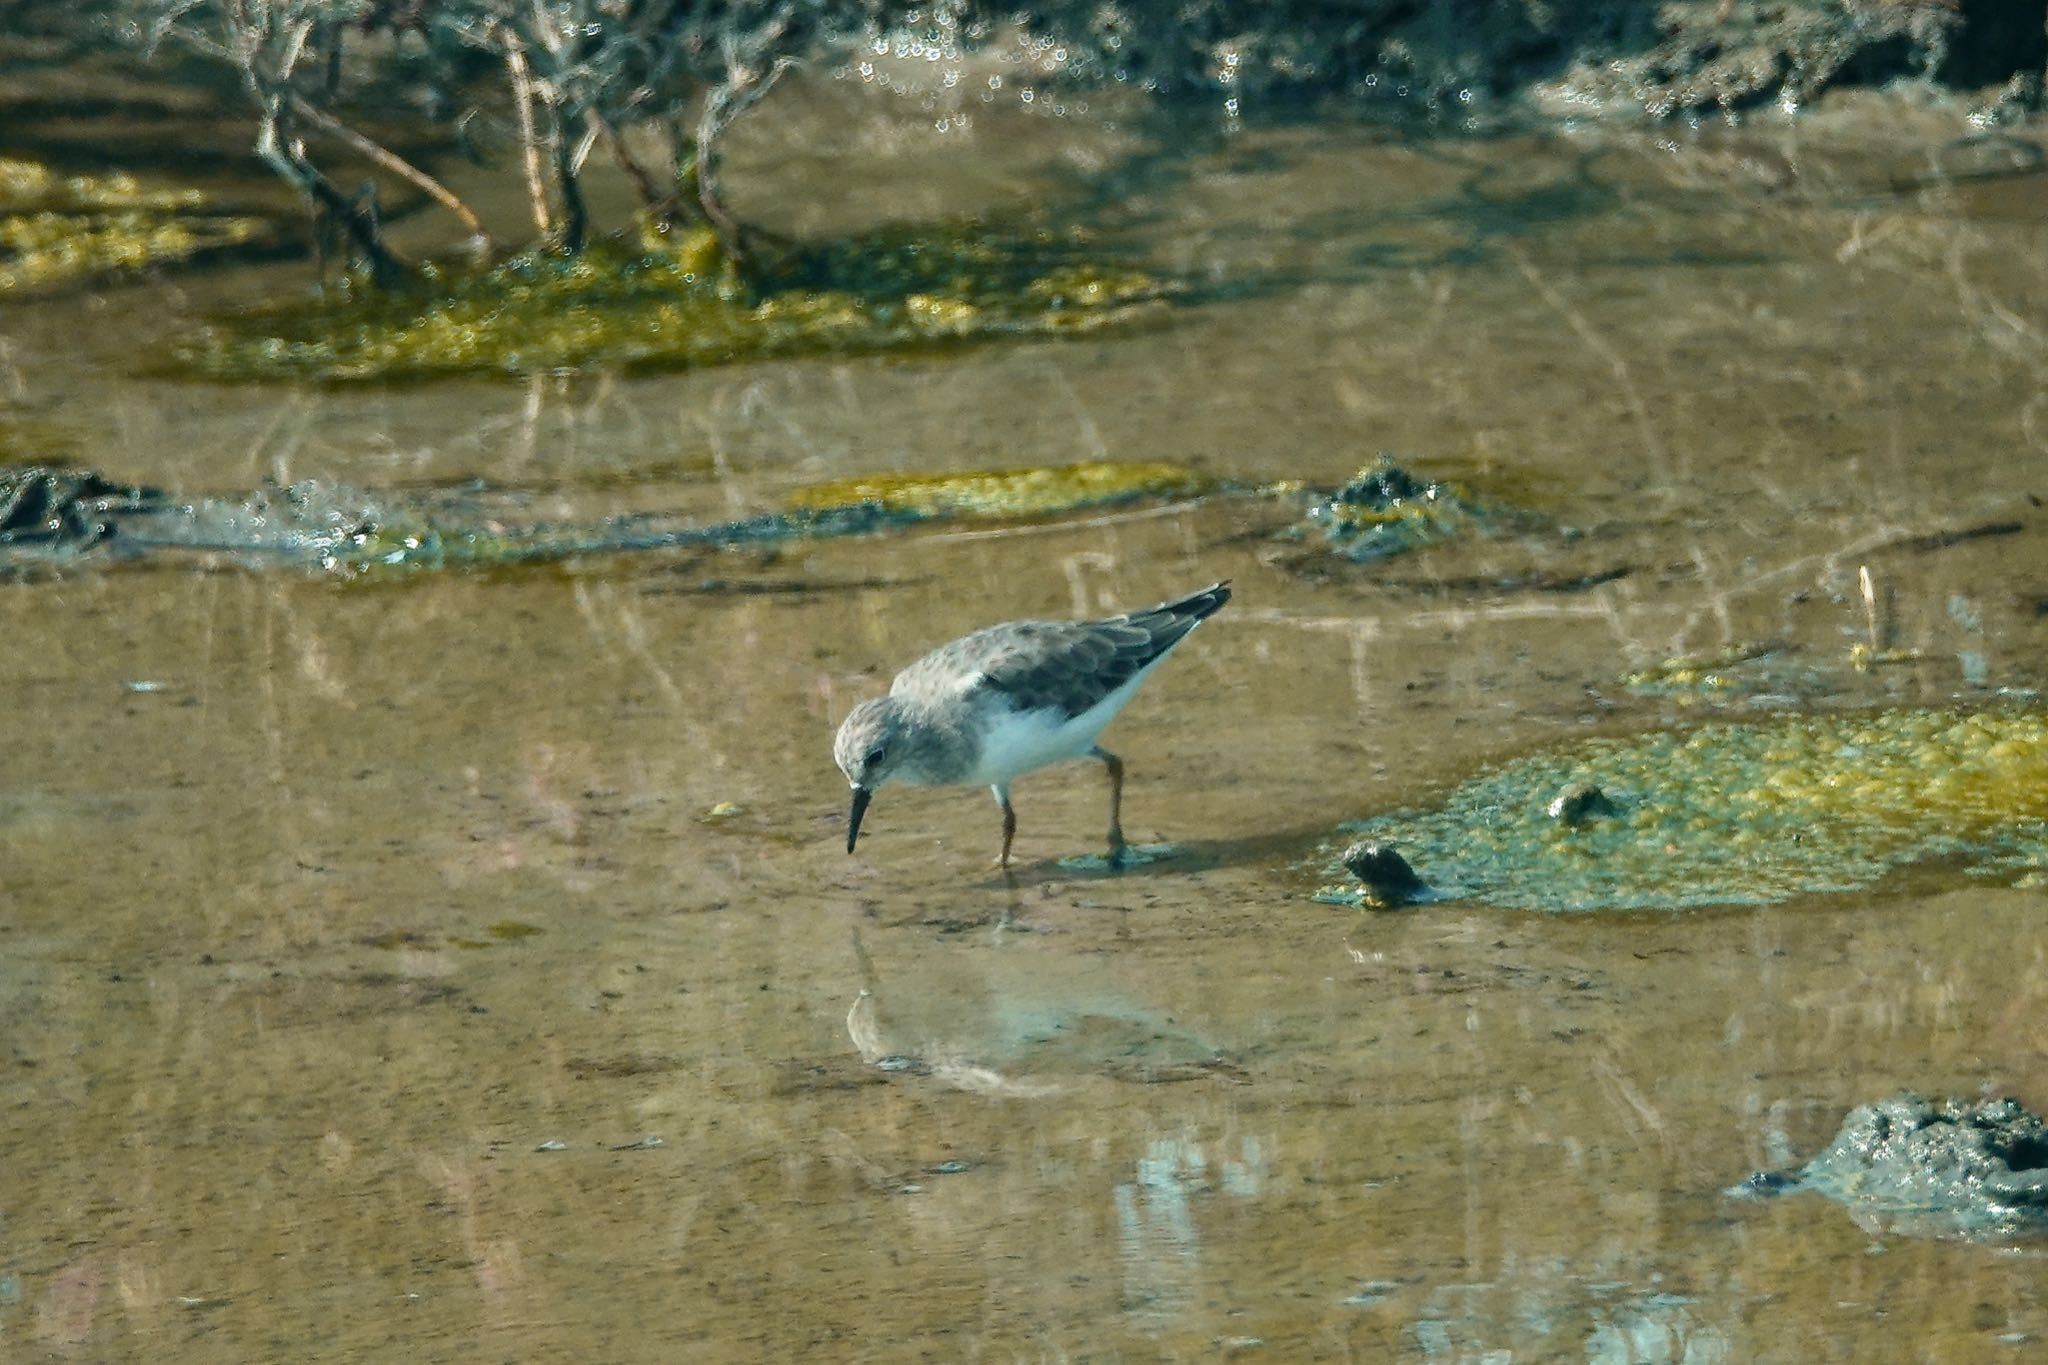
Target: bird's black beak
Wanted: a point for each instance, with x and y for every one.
(861, 797)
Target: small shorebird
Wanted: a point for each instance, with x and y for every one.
(997, 704)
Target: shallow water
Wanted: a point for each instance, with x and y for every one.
(356, 935)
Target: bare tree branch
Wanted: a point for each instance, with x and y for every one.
(480, 241)
(723, 105)
(523, 97)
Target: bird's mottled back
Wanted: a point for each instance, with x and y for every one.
(1066, 666)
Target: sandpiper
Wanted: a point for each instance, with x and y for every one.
(994, 705)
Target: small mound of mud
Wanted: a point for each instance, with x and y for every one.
(70, 508)
(1385, 511)
(1384, 876)
(1978, 1172)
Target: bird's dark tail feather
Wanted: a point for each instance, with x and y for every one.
(1197, 606)
(1169, 622)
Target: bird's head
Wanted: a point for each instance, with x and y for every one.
(869, 748)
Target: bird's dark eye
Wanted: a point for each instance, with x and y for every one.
(874, 756)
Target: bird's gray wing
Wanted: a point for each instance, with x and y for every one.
(1068, 666)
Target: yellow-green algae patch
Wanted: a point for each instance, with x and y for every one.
(1740, 814)
(1701, 674)
(55, 228)
(1001, 494)
(672, 303)
(51, 512)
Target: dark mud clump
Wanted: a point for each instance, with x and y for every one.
(1386, 511)
(1978, 1172)
(69, 508)
(1384, 874)
(1581, 803)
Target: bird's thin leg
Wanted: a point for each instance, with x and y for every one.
(1009, 824)
(1117, 846)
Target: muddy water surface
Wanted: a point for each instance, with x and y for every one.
(360, 939)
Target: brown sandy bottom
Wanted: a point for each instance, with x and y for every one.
(356, 938)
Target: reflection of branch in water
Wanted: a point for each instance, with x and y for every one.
(957, 1072)
(1068, 527)
(1623, 377)
(2004, 330)
(861, 1028)
(632, 633)
(1620, 1088)
(1826, 564)
(1090, 434)
(860, 1020)
(981, 1080)
(1072, 565)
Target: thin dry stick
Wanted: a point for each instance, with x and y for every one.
(480, 240)
(529, 137)
(1880, 612)
(1869, 606)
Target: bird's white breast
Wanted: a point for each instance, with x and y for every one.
(1016, 742)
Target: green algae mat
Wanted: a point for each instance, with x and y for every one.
(673, 302)
(1735, 814)
(56, 229)
(997, 494)
(52, 516)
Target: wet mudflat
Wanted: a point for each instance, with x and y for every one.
(360, 936)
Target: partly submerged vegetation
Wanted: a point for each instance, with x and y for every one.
(1729, 671)
(51, 516)
(1039, 491)
(55, 229)
(321, 524)
(677, 302)
(1746, 814)
(54, 513)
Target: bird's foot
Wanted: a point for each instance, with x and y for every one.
(1120, 857)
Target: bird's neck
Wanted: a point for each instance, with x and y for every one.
(938, 742)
